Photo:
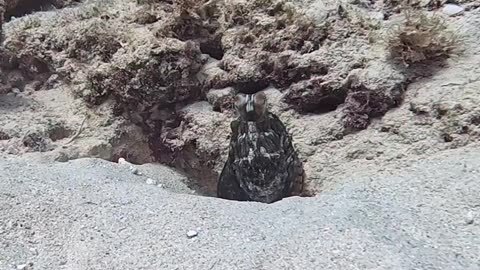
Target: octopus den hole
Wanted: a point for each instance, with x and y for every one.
(197, 166)
(27, 7)
(173, 143)
(213, 47)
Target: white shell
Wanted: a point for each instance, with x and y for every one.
(452, 10)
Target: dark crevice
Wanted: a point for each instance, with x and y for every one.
(196, 165)
(324, 105)
(29, 6)
(315, 96)
(251, 87)
(59, 132)
(4, 136)
(213, 47)
(447, 137)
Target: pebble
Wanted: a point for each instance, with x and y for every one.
(192, 234)
(469, 218)
(16, 91)
(11, 224)
(34, 251)
(150, 181)
(452, 10)
(122, 161)
(135, 171)
(24, 266)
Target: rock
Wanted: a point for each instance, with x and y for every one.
(221, 99)
(469, 218)
(11, 224)
(16, 91)
(12, 150)
(36, 142)
(34, 251)
(150, 181)
(452, 10)
(192, 234)
(62, 157)
(135, 170)
(4, 136)
(52, 81)
(122, 161)
(15, 79)
(25, 266)
(36, 85)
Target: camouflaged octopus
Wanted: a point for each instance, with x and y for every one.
(262, 163)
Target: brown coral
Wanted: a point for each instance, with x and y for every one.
(420, 38)
(165, 77)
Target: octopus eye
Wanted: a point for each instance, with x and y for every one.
(240, 100)
(260, 101)
(260, 98)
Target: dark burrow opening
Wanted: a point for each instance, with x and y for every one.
(252, 86)
(213, 47)
(324, 105)
(26, 7)
(29, 6)
(201, 177)
(170, 146)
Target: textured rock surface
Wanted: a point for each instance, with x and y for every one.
(412, 218)
(347, 107)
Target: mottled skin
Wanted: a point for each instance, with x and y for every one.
(2, 14)
(262, 164)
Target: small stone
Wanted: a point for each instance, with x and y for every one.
(135, 171)
(11, 224)
(25, 266)
(469, 218)
(36, 85)
(122, 161)
(16, 91)
(160, 186)
(192, 234)
(452, 10)
(52, 81)
(150, 181)
(34, 251)
(369, 157)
